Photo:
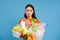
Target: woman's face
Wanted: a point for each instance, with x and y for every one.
(29, 11)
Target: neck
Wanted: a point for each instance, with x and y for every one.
(29, 17)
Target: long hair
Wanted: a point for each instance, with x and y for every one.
(33, 15)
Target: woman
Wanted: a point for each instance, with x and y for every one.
(31, 22)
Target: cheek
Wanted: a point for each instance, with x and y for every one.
(31, 12)
(26, 12)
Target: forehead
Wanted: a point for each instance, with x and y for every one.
(29, 8)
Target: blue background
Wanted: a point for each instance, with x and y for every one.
(48, 11)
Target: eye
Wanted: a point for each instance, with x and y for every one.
(30, 10)
(27, 10)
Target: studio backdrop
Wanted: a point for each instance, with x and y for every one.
(47, 11)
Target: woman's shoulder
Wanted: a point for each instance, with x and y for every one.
(37, 21)
(21, 20)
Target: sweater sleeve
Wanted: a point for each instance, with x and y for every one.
(37, 21)
(39, 26)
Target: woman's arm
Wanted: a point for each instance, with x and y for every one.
(39, 25)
